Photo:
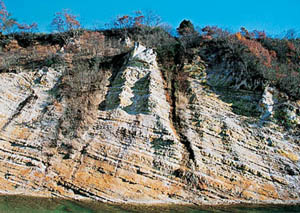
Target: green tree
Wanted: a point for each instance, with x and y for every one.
(186, 28)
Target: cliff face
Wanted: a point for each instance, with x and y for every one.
(122, 133)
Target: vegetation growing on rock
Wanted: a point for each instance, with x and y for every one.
(134, 114)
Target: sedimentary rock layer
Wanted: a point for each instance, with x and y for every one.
(130, 140)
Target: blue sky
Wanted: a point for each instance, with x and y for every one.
(273, 16)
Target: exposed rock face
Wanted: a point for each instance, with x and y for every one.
(276, 105)
(126, 141)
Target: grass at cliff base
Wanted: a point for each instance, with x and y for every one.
(24, 204)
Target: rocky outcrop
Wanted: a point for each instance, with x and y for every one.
(126, 140)
(276, 105)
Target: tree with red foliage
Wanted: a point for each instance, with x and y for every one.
(127, 21)
(65, 21)
(255, 47)
(27, 27)
(5, 20)
(7, 23)
(122, 22)
(138, 19)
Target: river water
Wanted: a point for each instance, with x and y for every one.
(20, 204)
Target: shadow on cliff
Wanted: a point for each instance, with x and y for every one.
(140, 100)
(140, 91)
(243, 102)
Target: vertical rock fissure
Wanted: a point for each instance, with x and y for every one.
(176, 121)
(19, 109)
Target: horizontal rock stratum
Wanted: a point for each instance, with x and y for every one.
(120, 131)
